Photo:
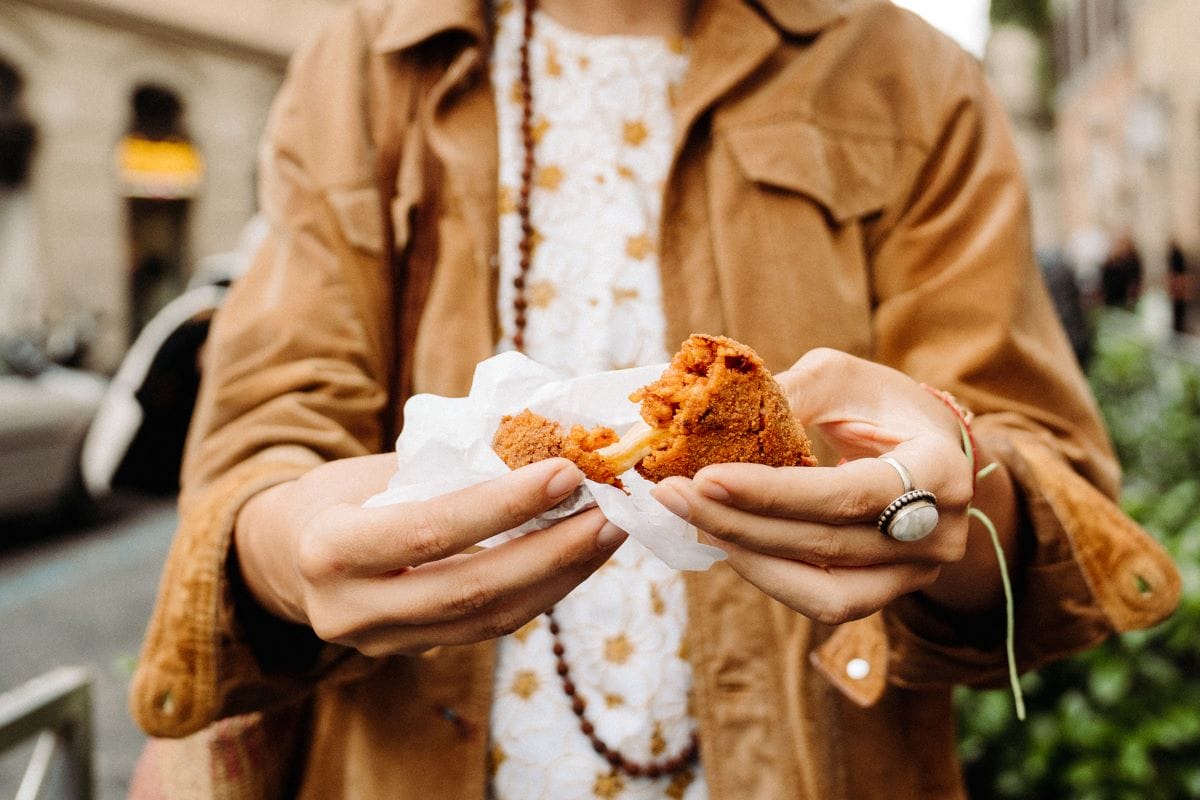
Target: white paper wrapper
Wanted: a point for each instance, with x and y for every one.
(446, 445)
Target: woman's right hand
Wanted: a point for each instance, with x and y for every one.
(395, 579)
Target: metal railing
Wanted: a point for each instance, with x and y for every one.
(57, 709)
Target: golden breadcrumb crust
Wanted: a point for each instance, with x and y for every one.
(528, 437)
(716, 403)
(720, 404)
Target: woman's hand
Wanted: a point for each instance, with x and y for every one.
(807, 536)
(396, 580)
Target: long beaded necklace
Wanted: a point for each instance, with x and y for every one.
(525, 244)
(619, 761)
(652, 769)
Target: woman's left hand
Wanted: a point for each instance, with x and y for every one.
(807, 536)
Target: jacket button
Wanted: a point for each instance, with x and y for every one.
(858, 668)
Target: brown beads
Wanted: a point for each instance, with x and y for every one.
(520, 305)
(654, 769)
(525, 245)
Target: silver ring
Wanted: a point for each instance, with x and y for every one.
(901, 470)
(911, 516)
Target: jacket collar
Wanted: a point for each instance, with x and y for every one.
(409, 22)
(803, 17)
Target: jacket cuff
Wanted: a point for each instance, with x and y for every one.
(197, 663)
(1091, 572)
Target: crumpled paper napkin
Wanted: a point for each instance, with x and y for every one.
(446, 445)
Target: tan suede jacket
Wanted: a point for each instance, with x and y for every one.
(842, 177)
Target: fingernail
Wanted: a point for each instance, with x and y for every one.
(673, 500)
(564, 482)
(712, 490)
(609, 536)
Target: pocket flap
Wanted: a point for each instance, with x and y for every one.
(360, 217)
(846, 174)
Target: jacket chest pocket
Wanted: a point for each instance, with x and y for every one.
(358, 212)
(787, 202)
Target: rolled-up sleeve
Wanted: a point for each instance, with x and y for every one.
(961, 306)
(294, 375)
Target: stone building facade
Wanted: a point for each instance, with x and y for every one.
(82, 64)
(1014, 62)
(1128, 123)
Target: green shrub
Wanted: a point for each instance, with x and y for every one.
(1121, 722)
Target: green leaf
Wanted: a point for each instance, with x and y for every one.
(1134, 764)
(1109, 681)
(1123, 719)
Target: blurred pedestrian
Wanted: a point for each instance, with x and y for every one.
(1121, 274)
(1068, 302)
(830, 183)
(1179, 287)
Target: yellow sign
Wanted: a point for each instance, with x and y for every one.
(167, 169)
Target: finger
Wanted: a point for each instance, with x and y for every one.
(854, 492)
(348, 480)
(818, 543)
(486, 590)
(860, 407)
(499, 619)
(368, 541)
(828, 386)
(463, 586)
(831, 595)
(366, 476)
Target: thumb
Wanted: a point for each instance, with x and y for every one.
(859, 407)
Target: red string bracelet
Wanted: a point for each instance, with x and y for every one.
(965, 418)
(972, 451)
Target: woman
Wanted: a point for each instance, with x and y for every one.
(591, 182)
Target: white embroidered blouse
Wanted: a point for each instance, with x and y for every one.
(603, 126)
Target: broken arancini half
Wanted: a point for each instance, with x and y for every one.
(715, 403)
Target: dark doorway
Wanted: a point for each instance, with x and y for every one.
(21, 298)
(157, 246)
(160, 172)
(18, 136)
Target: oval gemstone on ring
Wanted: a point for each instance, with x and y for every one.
(919, 510)
(912, 522)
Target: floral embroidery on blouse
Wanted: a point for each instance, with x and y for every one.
(603, 126)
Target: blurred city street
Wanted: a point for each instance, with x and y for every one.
(130, 139)
(82, 597)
